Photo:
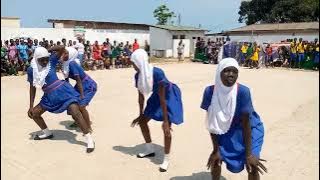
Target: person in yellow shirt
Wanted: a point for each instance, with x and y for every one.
(300, 49)
(293, 52)
(244, 49)
(255, 56)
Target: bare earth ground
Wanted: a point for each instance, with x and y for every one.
(287, 102)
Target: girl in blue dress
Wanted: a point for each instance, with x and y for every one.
(58, 95)
(164, 104)
(85, 86)
(235, 128)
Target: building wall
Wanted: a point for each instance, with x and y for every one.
(274, 37)
(56, 34)
(13, 23)
(162, 42)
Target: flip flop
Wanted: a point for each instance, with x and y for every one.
(38, 138)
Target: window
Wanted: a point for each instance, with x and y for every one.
(174, 37)
(182, 36)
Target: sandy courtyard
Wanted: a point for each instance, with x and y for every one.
(287, 102)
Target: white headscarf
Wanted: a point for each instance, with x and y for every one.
(73, 56)
(145, 80)
(39, 73)
(223, 102)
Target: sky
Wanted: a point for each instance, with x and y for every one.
(213, 15)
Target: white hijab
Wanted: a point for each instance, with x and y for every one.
(223, 102)
(73, 56)
(39, 73)
(145, 80)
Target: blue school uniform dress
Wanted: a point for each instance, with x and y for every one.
(58, 94)
(89, 86)
(173, 99)
(231, 144)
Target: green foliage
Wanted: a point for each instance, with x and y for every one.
(163, 14)
(273, 11)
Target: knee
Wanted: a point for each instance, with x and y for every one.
(36, 114)
(74, 110)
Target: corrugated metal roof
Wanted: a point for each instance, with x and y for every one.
(178, 28)
(4, 17)
(106, 22)
(278, 27)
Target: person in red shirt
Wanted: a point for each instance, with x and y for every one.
(135, 45)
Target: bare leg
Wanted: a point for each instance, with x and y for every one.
(167, 143)
(37, 112)
(216, 172)
(77, 116)
(145, 129)
(86, 117)
(254, 175)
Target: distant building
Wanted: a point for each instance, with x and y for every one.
(12, 22)
(164, 39)
(59, 23)
(274, 32)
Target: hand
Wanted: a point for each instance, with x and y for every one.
(214, 159)
(254, 162)
(136, 121)
(30, 114)
(166, 128)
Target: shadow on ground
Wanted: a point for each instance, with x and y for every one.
(197, 176)
(67, 124)
(133, 151)
(61, 135)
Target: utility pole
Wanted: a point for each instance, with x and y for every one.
(179, 19)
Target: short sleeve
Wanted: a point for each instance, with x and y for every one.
(74, 69)
(206, 99)
(245, 101)
(30, 74)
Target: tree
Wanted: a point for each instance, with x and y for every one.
(278, 11)
(163, 14)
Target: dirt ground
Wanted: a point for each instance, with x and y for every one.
(286, 100)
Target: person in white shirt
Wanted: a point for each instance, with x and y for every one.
(80, 48)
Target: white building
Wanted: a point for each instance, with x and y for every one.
(269, 33)
(164, 39)
(10, 22)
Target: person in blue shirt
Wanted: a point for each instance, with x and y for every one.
(85, 85)
(164, 104)
(235, 128)
(23, 54)
(58, 95)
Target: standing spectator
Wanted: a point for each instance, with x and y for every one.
(80, 48)
(64, 42)
(74, 44)
(316, 57)
(51, 44)
(87, 49)
(300, 49)
(244, 50)
(268, 58)
(35, 44)
(147, 47)
(255, 57)
(23, 54)
(293, 52)
(180, 50)
(135, 45)
(70, 43)
(96, 49)
(58, 43)
(105, 55)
